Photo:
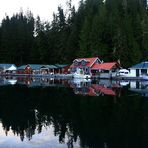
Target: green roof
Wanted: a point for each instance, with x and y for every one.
(61, 65)
(37, 66)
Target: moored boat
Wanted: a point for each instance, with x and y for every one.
(81, 76)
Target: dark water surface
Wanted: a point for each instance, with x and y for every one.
(50, 113)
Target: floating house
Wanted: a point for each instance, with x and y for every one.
(84, 65)
(95, 67)
(106, 70)
(7, 68)
(42, 69)
(139, 69)
(62, 68)
(36, 69)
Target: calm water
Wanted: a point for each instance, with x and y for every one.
(49, 113)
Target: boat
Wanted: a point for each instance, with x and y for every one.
(81, 76)
(123, 73)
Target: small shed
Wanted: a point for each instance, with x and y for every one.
(139, 69)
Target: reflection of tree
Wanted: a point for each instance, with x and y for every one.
(98, 122)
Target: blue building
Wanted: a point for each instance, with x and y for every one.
(139, 69)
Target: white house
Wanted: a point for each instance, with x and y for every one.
(139, 69)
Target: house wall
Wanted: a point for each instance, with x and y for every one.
(133, 72)
(108, 75)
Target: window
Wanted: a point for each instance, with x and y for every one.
(143, 71)
(83, 62)
(76, 63)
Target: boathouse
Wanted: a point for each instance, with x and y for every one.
(84, 65)
(62, 68)
(36, 69)
(139, 69)
(106, 70)
(7, 68)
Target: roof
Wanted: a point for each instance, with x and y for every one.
(22, 67)
(13, 67)
(50, 66)
(37, 66)
(7, 66)
(60, 65)
(104, 66)
(142, 65)
(90, 61)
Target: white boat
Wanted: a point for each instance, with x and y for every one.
(81, 76)
(123, 73)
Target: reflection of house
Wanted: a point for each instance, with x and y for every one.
(101, 89)
(84, 65)
(139, 69)
(106, 70)
(140, 87)
(8, 80)
(95, 90)
(7, 68)
(86, 88)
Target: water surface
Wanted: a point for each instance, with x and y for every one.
(41, 112)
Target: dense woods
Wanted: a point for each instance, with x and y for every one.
(112, 30)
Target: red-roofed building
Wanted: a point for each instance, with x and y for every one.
(84, 65)
(106, 66)
(106, 70)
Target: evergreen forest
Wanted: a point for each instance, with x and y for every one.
(110, 29)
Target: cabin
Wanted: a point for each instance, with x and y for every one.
(139, 69)
(36, 69)
(25, 69)
(106, 70)
(84, 65)
(8, 68)
(62, 68)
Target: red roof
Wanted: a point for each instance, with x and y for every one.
(90, 61)
(105, 66)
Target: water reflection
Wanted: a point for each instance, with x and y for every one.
(79, 86)
(140, 87)
(65, 113)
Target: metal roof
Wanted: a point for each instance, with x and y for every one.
(104, 66)
(61, 65)
(37, 66)
(142, 65)
(6, 66)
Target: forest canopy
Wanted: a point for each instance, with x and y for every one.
(112, 30)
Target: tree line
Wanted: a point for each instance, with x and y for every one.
(112, 30)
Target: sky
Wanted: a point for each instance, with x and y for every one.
(43, 8)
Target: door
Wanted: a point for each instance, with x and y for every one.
(137, 72)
